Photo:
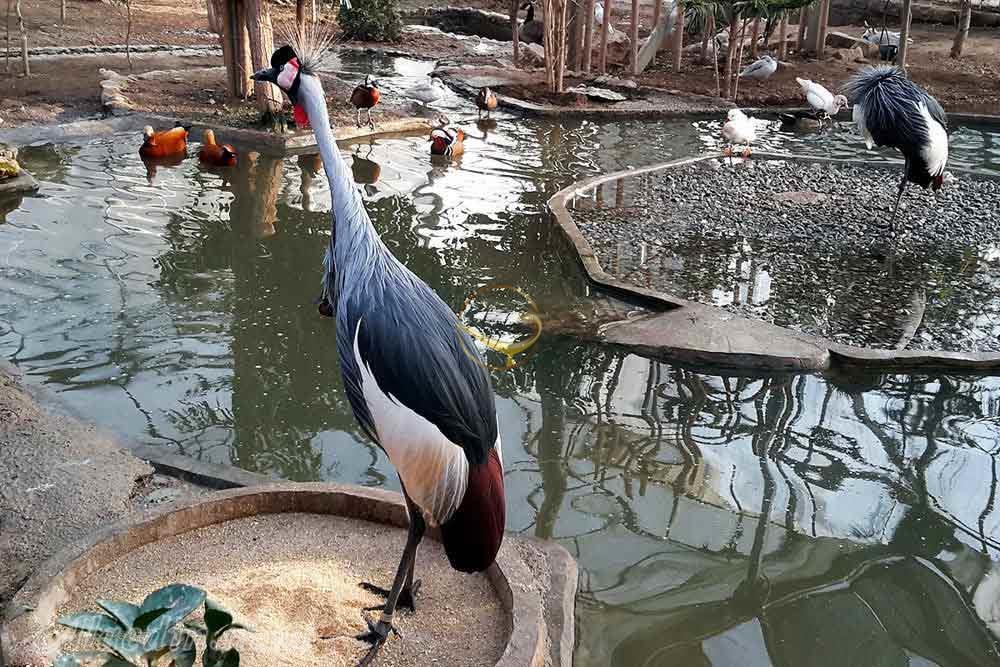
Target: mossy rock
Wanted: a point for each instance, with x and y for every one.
(9, 168)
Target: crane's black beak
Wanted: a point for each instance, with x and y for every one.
(268, 74)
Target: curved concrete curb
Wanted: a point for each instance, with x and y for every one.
(695, 333)
(520, 583)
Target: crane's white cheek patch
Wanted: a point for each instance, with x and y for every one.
(288, 74)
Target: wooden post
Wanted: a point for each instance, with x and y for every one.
(602, 59)
(514, 28)
(258, 20)
(6, 58)
(588, 35)
(678, 44)
(812, 37)
(801, 38)
(214, 24)
(634, 34)
(754, 37)
(657, 8)
(783, 36)
(62, 11)
(906, 17)
(300, 16)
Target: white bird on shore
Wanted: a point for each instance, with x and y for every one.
(738, 129)
(427, 92)
(820, 98)
(760, 70)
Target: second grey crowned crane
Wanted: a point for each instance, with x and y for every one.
(412, 375)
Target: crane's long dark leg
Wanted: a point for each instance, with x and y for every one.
(379, 631)
(899, 197)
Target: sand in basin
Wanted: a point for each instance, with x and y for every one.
(293, 577)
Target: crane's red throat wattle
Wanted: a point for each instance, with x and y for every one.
(299, 116)
(472, 536)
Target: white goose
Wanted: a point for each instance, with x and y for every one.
(429, 91)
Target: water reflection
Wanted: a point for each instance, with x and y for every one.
(732, 520)
(182, 314)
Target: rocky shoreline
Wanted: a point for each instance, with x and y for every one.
(807, 246)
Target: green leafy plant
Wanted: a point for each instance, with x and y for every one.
(155, 632)
(370, 20)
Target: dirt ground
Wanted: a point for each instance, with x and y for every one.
(67, 88)
(970, 84)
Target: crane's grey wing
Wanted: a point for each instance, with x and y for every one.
(420, 358)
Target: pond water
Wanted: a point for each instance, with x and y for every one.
(717, 519)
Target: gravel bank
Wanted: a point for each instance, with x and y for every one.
(807, 246)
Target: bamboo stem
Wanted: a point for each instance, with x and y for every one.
(514, 30)
(739, 61)
(602, 59)
(635, 37)
(24, 38)
(588, 36)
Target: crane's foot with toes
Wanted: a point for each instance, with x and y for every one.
(407, 597)
(378, 633)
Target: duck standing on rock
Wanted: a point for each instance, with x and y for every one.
(166, 144)
(366, 96)
(891, 110)
(214, 154)
(486, 101)
(738, 129)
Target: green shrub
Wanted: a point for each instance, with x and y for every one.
(370, 20)
(142, 635)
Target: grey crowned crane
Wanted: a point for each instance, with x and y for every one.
(414, 380)
(891, 110)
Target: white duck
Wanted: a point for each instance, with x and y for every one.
(760, 70)
(821, 99)
(738, 129)
(429, 91)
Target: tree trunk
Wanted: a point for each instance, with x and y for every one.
(904, 32)
(236, 48)
(783, 37)
(6, 58)
(602, 60)
(739, 61)
(678, 44)
(300, 16)
(754, 37)
(214, 24)
(588, 35)
(258, 19)
(128, 33)
(812, 37)
(727, 73)
(715, 53)
(707, 33)
(574, 33)
(634, 33)
(824, 22)
(801, 38)
(554, 20)
(62, 11)
(657, 8)
(964, 19)
(24, 39)
(514, 29)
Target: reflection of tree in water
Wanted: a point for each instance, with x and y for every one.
(832, 511)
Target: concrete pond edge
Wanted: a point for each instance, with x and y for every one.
(542, 617)
(688, 332)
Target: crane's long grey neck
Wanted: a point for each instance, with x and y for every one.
(349, 216)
